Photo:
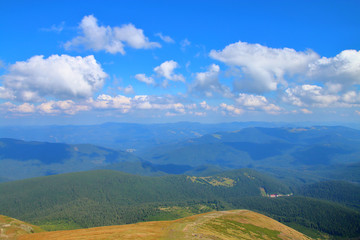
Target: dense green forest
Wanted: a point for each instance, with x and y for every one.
(336, 191)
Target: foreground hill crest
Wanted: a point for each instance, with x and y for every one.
(236, 224)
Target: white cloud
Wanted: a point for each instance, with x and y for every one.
(157, 103)
(310, 95)
(6, 94)
(57, 107)
(249, 100)
(351, 97)
(231, 109)
(138, 102)
(255, 102)
(205, 106)
(118, 102)
(48, 107)
(60, 77)
(143, 78)
(166, 70)
(317, 96)
(263, 68)
(305, 111)
(23, 108)
(110, 39)
(343, 69)
(207, 83)
(166, 39)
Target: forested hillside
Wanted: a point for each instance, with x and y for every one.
(103, 197)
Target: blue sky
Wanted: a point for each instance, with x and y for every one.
(74, 62)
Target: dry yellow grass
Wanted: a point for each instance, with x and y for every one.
(237, 224)
(11, 228)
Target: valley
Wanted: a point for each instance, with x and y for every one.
(297, 176)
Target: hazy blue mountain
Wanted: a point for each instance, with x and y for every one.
(21, 159)
(145, 168)
(300, 155)
(302, 149)
(137, 137)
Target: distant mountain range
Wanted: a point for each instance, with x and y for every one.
(303, 154)
(252, 147)
(306, 153)
(130, 136)
(20, 159)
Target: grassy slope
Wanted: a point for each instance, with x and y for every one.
(11, 228)
(237, 224)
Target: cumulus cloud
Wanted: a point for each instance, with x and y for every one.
(23, 108)
(230, 109)
(143, 78)
(67, 106)
(104, 102)
(6, 94)
(110, 39)
(118, 102)
(310, 95)
(139, 102)
(305, 111)
(249, 100)
(351, 97)
(343, 70)
(166, 39)
(166, 70)
(255, 102)
(263, 68)
(205, 106)
(49, 108)
(158, 103)
(207, 83)
(62, 77)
